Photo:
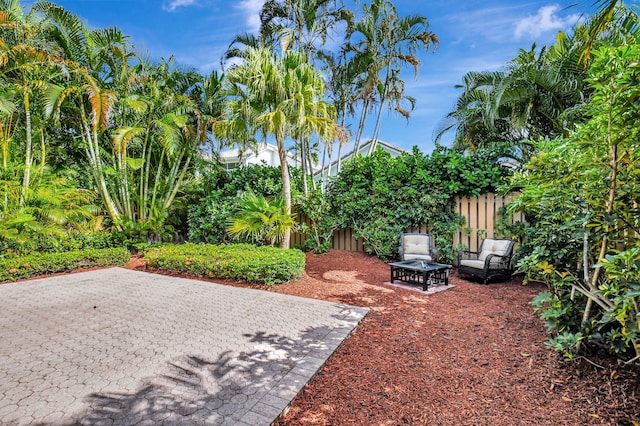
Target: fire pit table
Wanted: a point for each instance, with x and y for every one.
(420, 272)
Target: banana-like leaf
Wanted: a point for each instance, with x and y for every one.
(136, 104)
(123, 136)
(134, 163)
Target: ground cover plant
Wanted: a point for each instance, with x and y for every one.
(268, 265)
(13, 269)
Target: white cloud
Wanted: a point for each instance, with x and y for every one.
(492, 24)
(251, 9)
(546, 20)
(174, 4)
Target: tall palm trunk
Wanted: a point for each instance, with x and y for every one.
(339, 164)
(324, 162)
(310, 166)
(343, 118)
(303, 160)
(92, 150)
(144, 173)
(5, 138)
(363, 119)
(383, 98)
(27, 155)
(286, 188)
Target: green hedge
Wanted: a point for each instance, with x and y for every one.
(39, 264)
(244, 262)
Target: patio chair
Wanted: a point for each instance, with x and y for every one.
(493, 259)
(418, 246)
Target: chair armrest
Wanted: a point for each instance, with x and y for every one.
(469, 255)
(435, 254)
(503, 261)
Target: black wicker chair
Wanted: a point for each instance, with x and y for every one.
(494, 258)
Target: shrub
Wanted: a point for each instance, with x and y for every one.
(261, 220)
(268, 265)
(71, 241)
(39, 264)
(208, 218)
(379, 197)
(580, 196)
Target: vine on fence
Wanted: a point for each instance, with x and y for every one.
(379, 197)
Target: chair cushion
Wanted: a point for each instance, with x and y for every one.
(479, 264)
(472, 263)
(491, 246)
(417, 244)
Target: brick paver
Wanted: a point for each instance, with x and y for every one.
(116, 346)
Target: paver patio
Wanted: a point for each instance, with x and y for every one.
(116, 346)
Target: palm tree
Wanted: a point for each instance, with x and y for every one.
(342, 71)
(604, 14)
(236, 51)
(398, 38)
(139, 123)
(388, 42)
(469, 118)
(260, 219)
(539, 93)
(302, 25)
(27, 59)
(279, 97)
(522, 103)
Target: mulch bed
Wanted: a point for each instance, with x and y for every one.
(471, 355)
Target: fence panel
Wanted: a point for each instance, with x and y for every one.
(480, 215)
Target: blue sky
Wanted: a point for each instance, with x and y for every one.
(474, 36)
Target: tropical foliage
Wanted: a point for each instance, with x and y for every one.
(261, 220)
(125, 128)
(101, 147)
(220, 194)
(540, 93)
(280, 97)
(388, 42)
(379, 197)
(580, 194)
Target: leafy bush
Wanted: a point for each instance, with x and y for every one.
(43, 215)
(208, 219)
(268, 265)
(580, 196)
(39, 264)
(70, 241)
(317, 209)
(379, 197)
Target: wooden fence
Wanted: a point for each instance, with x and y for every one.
(481, 215)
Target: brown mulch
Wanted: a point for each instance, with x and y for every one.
(471, 355)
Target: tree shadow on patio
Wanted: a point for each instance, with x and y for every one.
(195, 390)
